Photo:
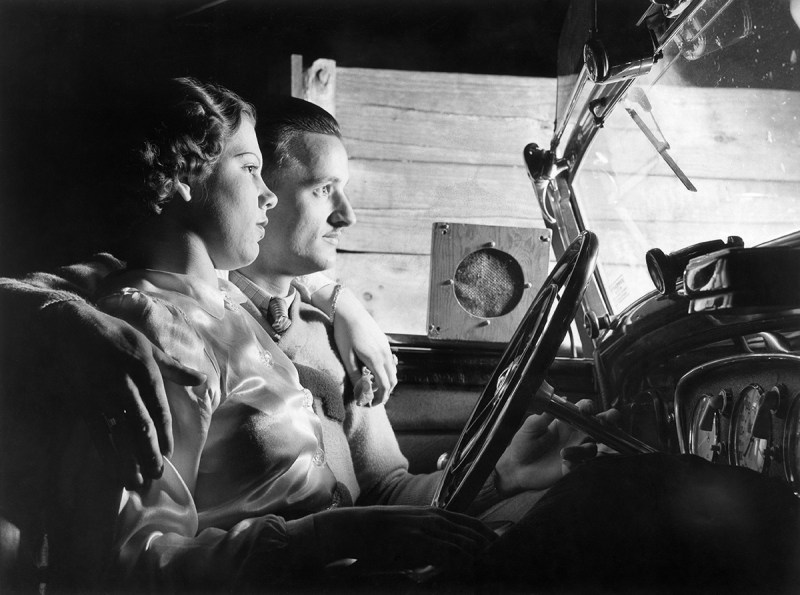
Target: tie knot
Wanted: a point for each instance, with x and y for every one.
(278, 315)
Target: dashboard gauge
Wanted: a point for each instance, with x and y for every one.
(751, 430)
(791, 444)
(705, 430)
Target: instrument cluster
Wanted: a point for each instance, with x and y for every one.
(745, 411)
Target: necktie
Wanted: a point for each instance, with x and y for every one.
(278, 315)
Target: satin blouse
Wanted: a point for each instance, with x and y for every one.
(247, 441)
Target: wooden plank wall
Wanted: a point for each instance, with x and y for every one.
(426, 147)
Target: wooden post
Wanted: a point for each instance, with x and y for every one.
(316, 84)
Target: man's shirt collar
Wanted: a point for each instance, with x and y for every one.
(256, 294)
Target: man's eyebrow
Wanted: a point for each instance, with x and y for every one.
(311, 180)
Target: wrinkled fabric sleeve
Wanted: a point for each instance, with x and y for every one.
(32, 312)
(157, 546)
(381, 469)
(308, 287)
(25, 298)
(160, 551)
(35, 407)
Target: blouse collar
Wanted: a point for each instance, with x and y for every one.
(213, 300)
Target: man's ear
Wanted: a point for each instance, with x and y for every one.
(182, 188)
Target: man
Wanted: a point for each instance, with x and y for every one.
(306, 166)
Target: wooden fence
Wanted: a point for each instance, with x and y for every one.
(426, 147)
(429, 146)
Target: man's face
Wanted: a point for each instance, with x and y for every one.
(312, 209)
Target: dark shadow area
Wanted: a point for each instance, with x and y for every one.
(68, 66)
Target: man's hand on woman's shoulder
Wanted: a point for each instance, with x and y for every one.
(115, 376)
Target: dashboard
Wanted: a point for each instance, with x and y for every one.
(712, 371)
(744, 411)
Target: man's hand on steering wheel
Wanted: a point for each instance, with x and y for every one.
(544, 450)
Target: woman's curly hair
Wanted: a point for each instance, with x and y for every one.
(189, 123)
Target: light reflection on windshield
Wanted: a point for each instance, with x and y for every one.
(724, 103)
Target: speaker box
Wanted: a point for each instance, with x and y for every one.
(483, 278)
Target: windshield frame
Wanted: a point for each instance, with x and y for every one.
(588, 108)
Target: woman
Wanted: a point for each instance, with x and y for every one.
(247, 444)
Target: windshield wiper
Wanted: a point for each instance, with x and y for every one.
(637, 95)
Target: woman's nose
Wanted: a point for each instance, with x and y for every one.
(267, 198)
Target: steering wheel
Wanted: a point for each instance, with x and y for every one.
(520, 372)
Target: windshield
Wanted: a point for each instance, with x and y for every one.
(706, 146)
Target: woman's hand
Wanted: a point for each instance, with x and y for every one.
(115, 375)
(361, 342)
(402, 537)
(543, 450)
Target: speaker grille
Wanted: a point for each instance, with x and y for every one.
(489, 283)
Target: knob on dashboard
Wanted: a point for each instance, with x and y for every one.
(594, 324)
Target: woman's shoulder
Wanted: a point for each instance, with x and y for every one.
(167, 317)
(135, 296)
(147, 305)
(141, 290)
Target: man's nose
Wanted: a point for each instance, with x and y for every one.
(343, 215)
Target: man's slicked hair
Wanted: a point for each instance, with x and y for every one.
(282, 120)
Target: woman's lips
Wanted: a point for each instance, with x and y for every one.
(261, 225)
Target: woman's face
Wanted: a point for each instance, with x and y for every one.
(231, 213)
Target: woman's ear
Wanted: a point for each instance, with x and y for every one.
(183, 189)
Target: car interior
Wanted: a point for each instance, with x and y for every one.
(622, 226)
